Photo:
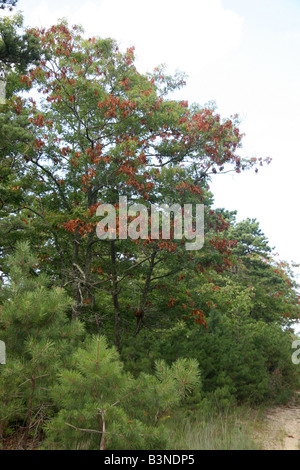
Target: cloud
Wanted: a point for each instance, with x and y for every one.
(44, 13)
(188, 36)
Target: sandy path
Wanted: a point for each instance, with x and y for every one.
(281, 429)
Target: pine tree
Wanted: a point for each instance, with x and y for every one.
(18, 50)
(103, 407)
(7, 4)
(39, 339)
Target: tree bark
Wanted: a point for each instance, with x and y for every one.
(115, 296)
(145, 294)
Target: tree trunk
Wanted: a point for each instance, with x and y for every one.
(140, 319)
(29, 413)
(115, 297)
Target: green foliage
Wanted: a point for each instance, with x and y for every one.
(39, 339)
(104, 407)
(7, 4)
(102, 130)
(15, 49)
(81, 126)
(240, 360)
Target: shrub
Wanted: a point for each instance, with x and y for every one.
(104, 407)
(39, 340)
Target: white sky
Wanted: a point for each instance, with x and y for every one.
(244, 54)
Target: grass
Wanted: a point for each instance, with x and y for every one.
(228, 430)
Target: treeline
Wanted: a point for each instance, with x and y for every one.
(105, 336)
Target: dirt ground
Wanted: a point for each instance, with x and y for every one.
(281, 428)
